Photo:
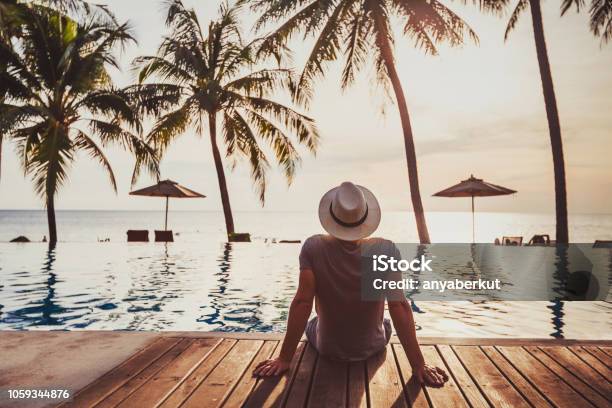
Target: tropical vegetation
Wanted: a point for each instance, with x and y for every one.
(205, 79)
(600, 13)
(59, 100)
(360, 31)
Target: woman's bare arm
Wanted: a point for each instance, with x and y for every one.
(299, 312)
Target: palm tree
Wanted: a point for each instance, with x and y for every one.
(60, 99)
(9, 26)
(207, 79)
(550, 101)
(10, 22)
(600, 12)
(360, 30)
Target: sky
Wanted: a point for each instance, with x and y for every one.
(476, 110)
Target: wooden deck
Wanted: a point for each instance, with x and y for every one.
(192, 371)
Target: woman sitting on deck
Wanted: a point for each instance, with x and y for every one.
(346, 327)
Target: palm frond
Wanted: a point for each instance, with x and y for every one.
(431, 23)
(601, 19)
(274, 44)
(169, 126)
(325, 49)
(83, 142)
(495, 7)
(285, 153)
(357, 47)
(514, 17)
(301, 125)
(262, 82)
(240, 138)
(567, 4)
(154, 99)
(163, 69)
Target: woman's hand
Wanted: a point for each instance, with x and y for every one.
(268, 368)
(431, 376)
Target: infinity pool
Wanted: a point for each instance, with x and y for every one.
(230, 287)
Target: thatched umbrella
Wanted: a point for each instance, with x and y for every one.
(167, 188)
(474, 187)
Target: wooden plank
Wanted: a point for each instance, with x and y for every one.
(273, 391)
(300, 387)
(413, 389)
(384, 382)
(329, 384)
(426, 340)
(580, 369)
(600, 355)
(586, 355)
(145, 375)
(549, 384)
(586, 391)
(462, 378)
(220, 383)
(190, 382)
(356, 393)
(449, 395)
(96, 391)
(528, 392)
(165, 380)
(607, 350)
(247, 382)
(491, 382)
(491, 341)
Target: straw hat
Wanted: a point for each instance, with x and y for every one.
(349, 212)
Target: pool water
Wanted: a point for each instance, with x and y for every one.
(226, 287)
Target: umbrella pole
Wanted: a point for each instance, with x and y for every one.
(166, 220)
(473, 229)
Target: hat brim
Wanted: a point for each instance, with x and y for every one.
(363, 230)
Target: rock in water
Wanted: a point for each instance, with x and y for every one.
(20, 238)
(240, 237)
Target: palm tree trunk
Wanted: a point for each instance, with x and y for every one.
(227, 208)
(413, 175)
(562, 235)
(51, 221)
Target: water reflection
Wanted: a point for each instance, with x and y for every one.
(557, 318)
(217, 295)
(237, 287)
(42, 310)
(152, 289)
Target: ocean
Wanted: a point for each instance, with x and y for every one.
(202, 283)
(208, 227)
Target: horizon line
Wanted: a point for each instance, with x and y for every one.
(284, 211)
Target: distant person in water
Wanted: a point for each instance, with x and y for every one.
(346, 327)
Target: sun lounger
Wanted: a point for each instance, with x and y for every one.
(512, 241)
(164, 236)
(602, 244)
(138, 236)
(543, 240)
